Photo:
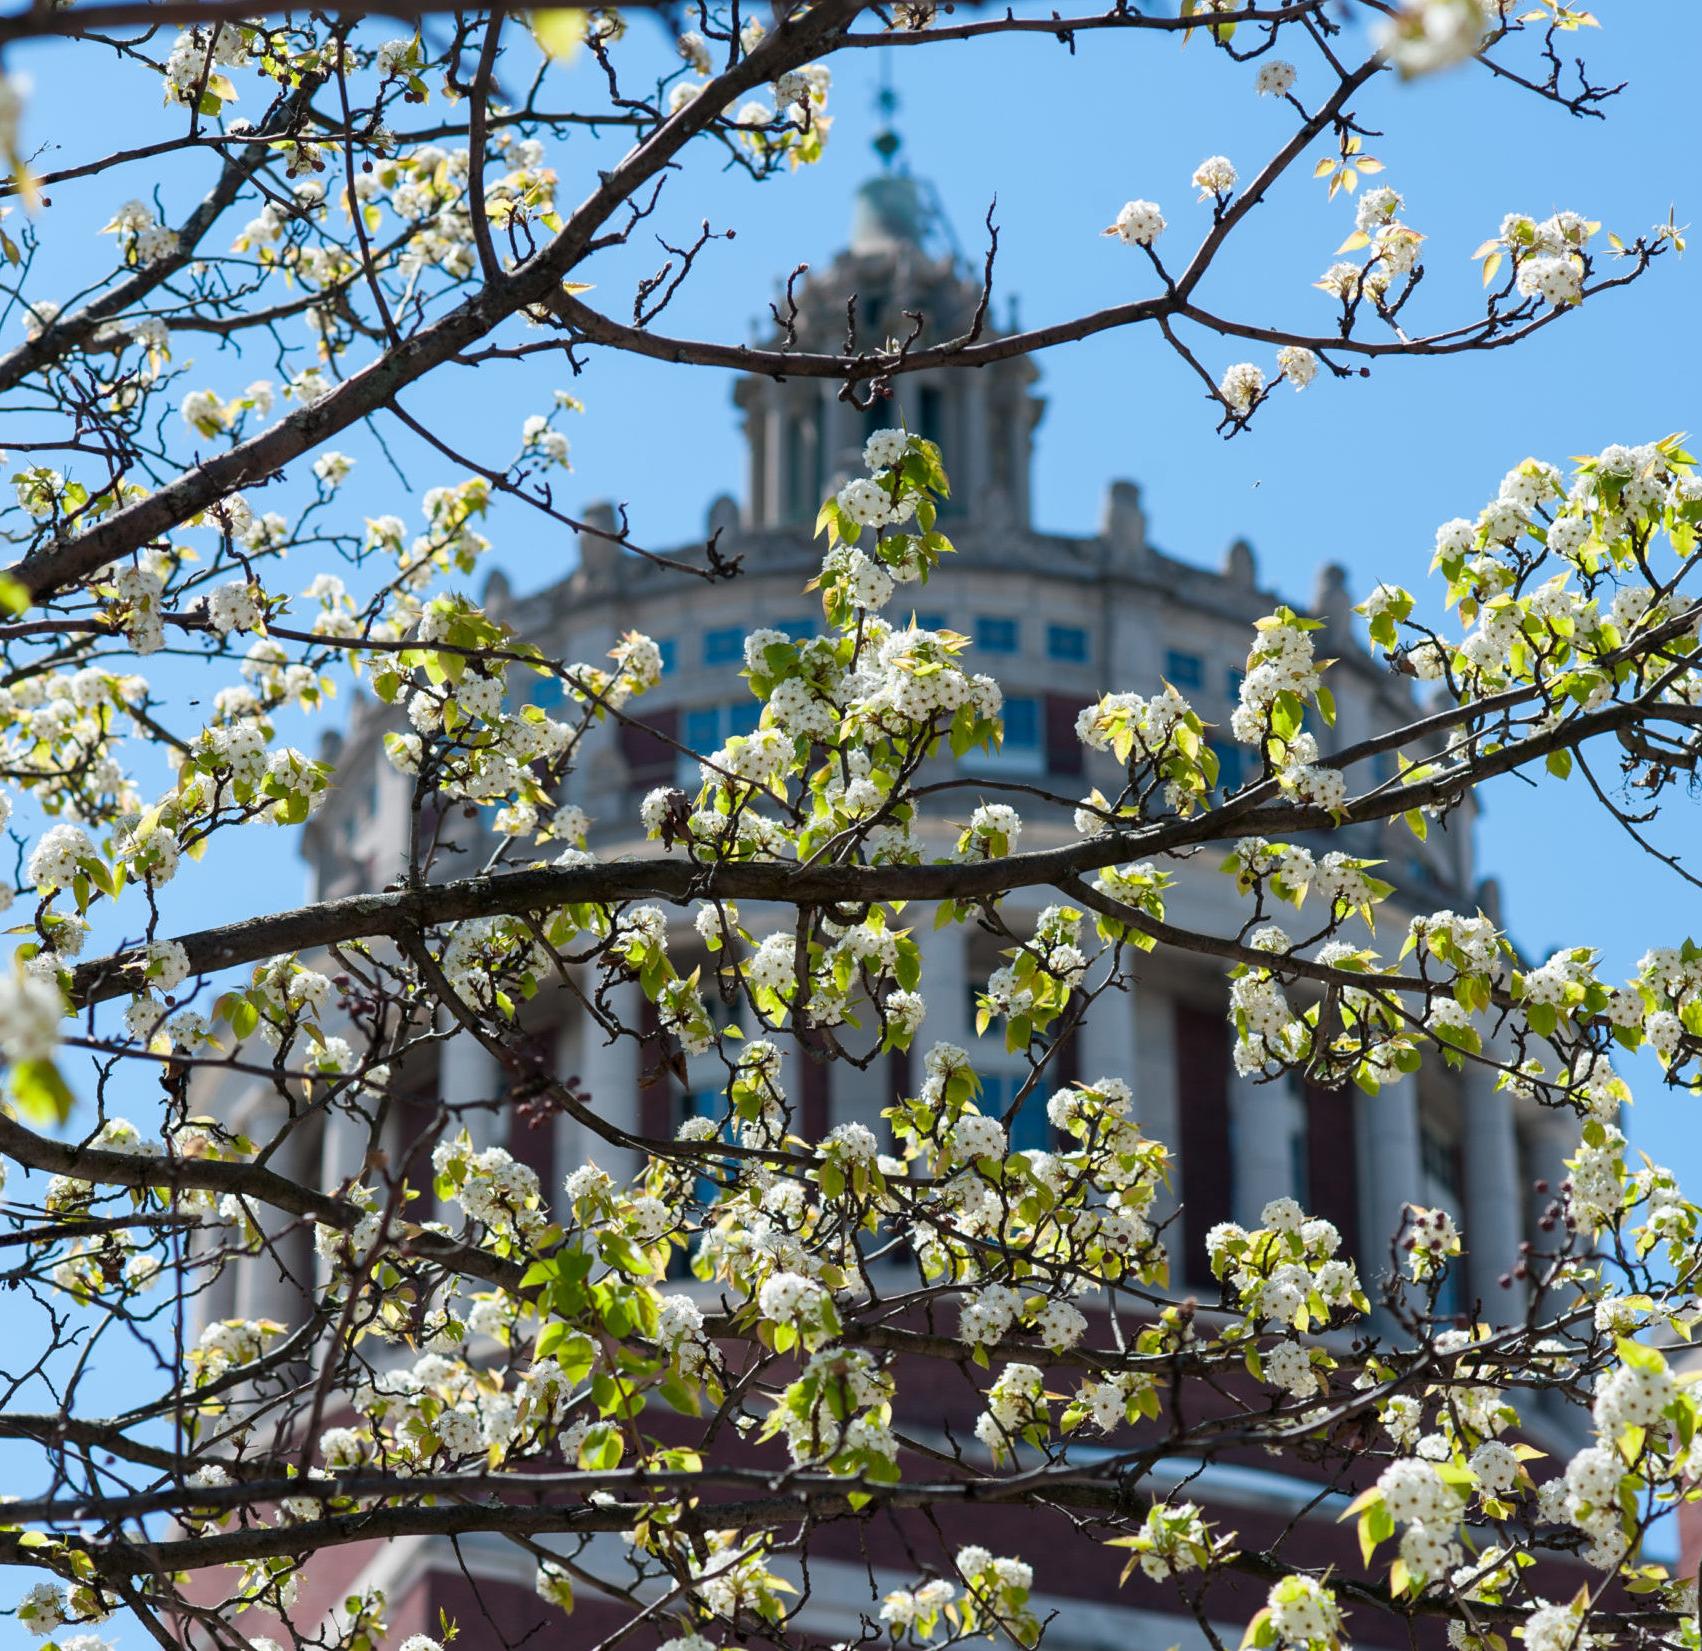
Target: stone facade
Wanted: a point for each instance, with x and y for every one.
(1059, 620)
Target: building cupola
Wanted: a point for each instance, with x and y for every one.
(802, 440)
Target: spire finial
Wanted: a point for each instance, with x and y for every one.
(886, 141)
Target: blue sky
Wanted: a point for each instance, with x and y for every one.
(1358, 472)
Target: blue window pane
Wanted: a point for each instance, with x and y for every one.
(1232, 680)
(1022, 724)
(996, 636)
(797, 629)
(930, 622)
(670, 652)
(703, 728)
(1229, 769)
(1030, 1129)
(548, 691)
(723, 646)
(1448, 1295)
(1183, 670)
(1383, 765)
(1068, 643)
(742, 718)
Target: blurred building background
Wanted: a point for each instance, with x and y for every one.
(1059, 620)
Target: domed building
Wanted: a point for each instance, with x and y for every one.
(1059, 620)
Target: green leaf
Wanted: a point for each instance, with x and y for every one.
(1639, 1357)
(560, 31)
(1260, 1632)
(601, 1450)
(681, 1396)
(41, 1093)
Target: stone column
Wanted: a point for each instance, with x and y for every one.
(394, 810)
(278, 1280)
(1551, 1138)
(1261, 1130)
(572, 1139)
(1155, 1086)
(1025, 415)
(945, 984)
(778, 420)
(218, 1300)
(842, 438)
(1108, 1043)
(610, 1073)
(1494, 1190)
(859, 1097)
(1385, 1128)
(972, 399)
(344, 1142)
(469, 1078)
(277, 1283)
(756, 431)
